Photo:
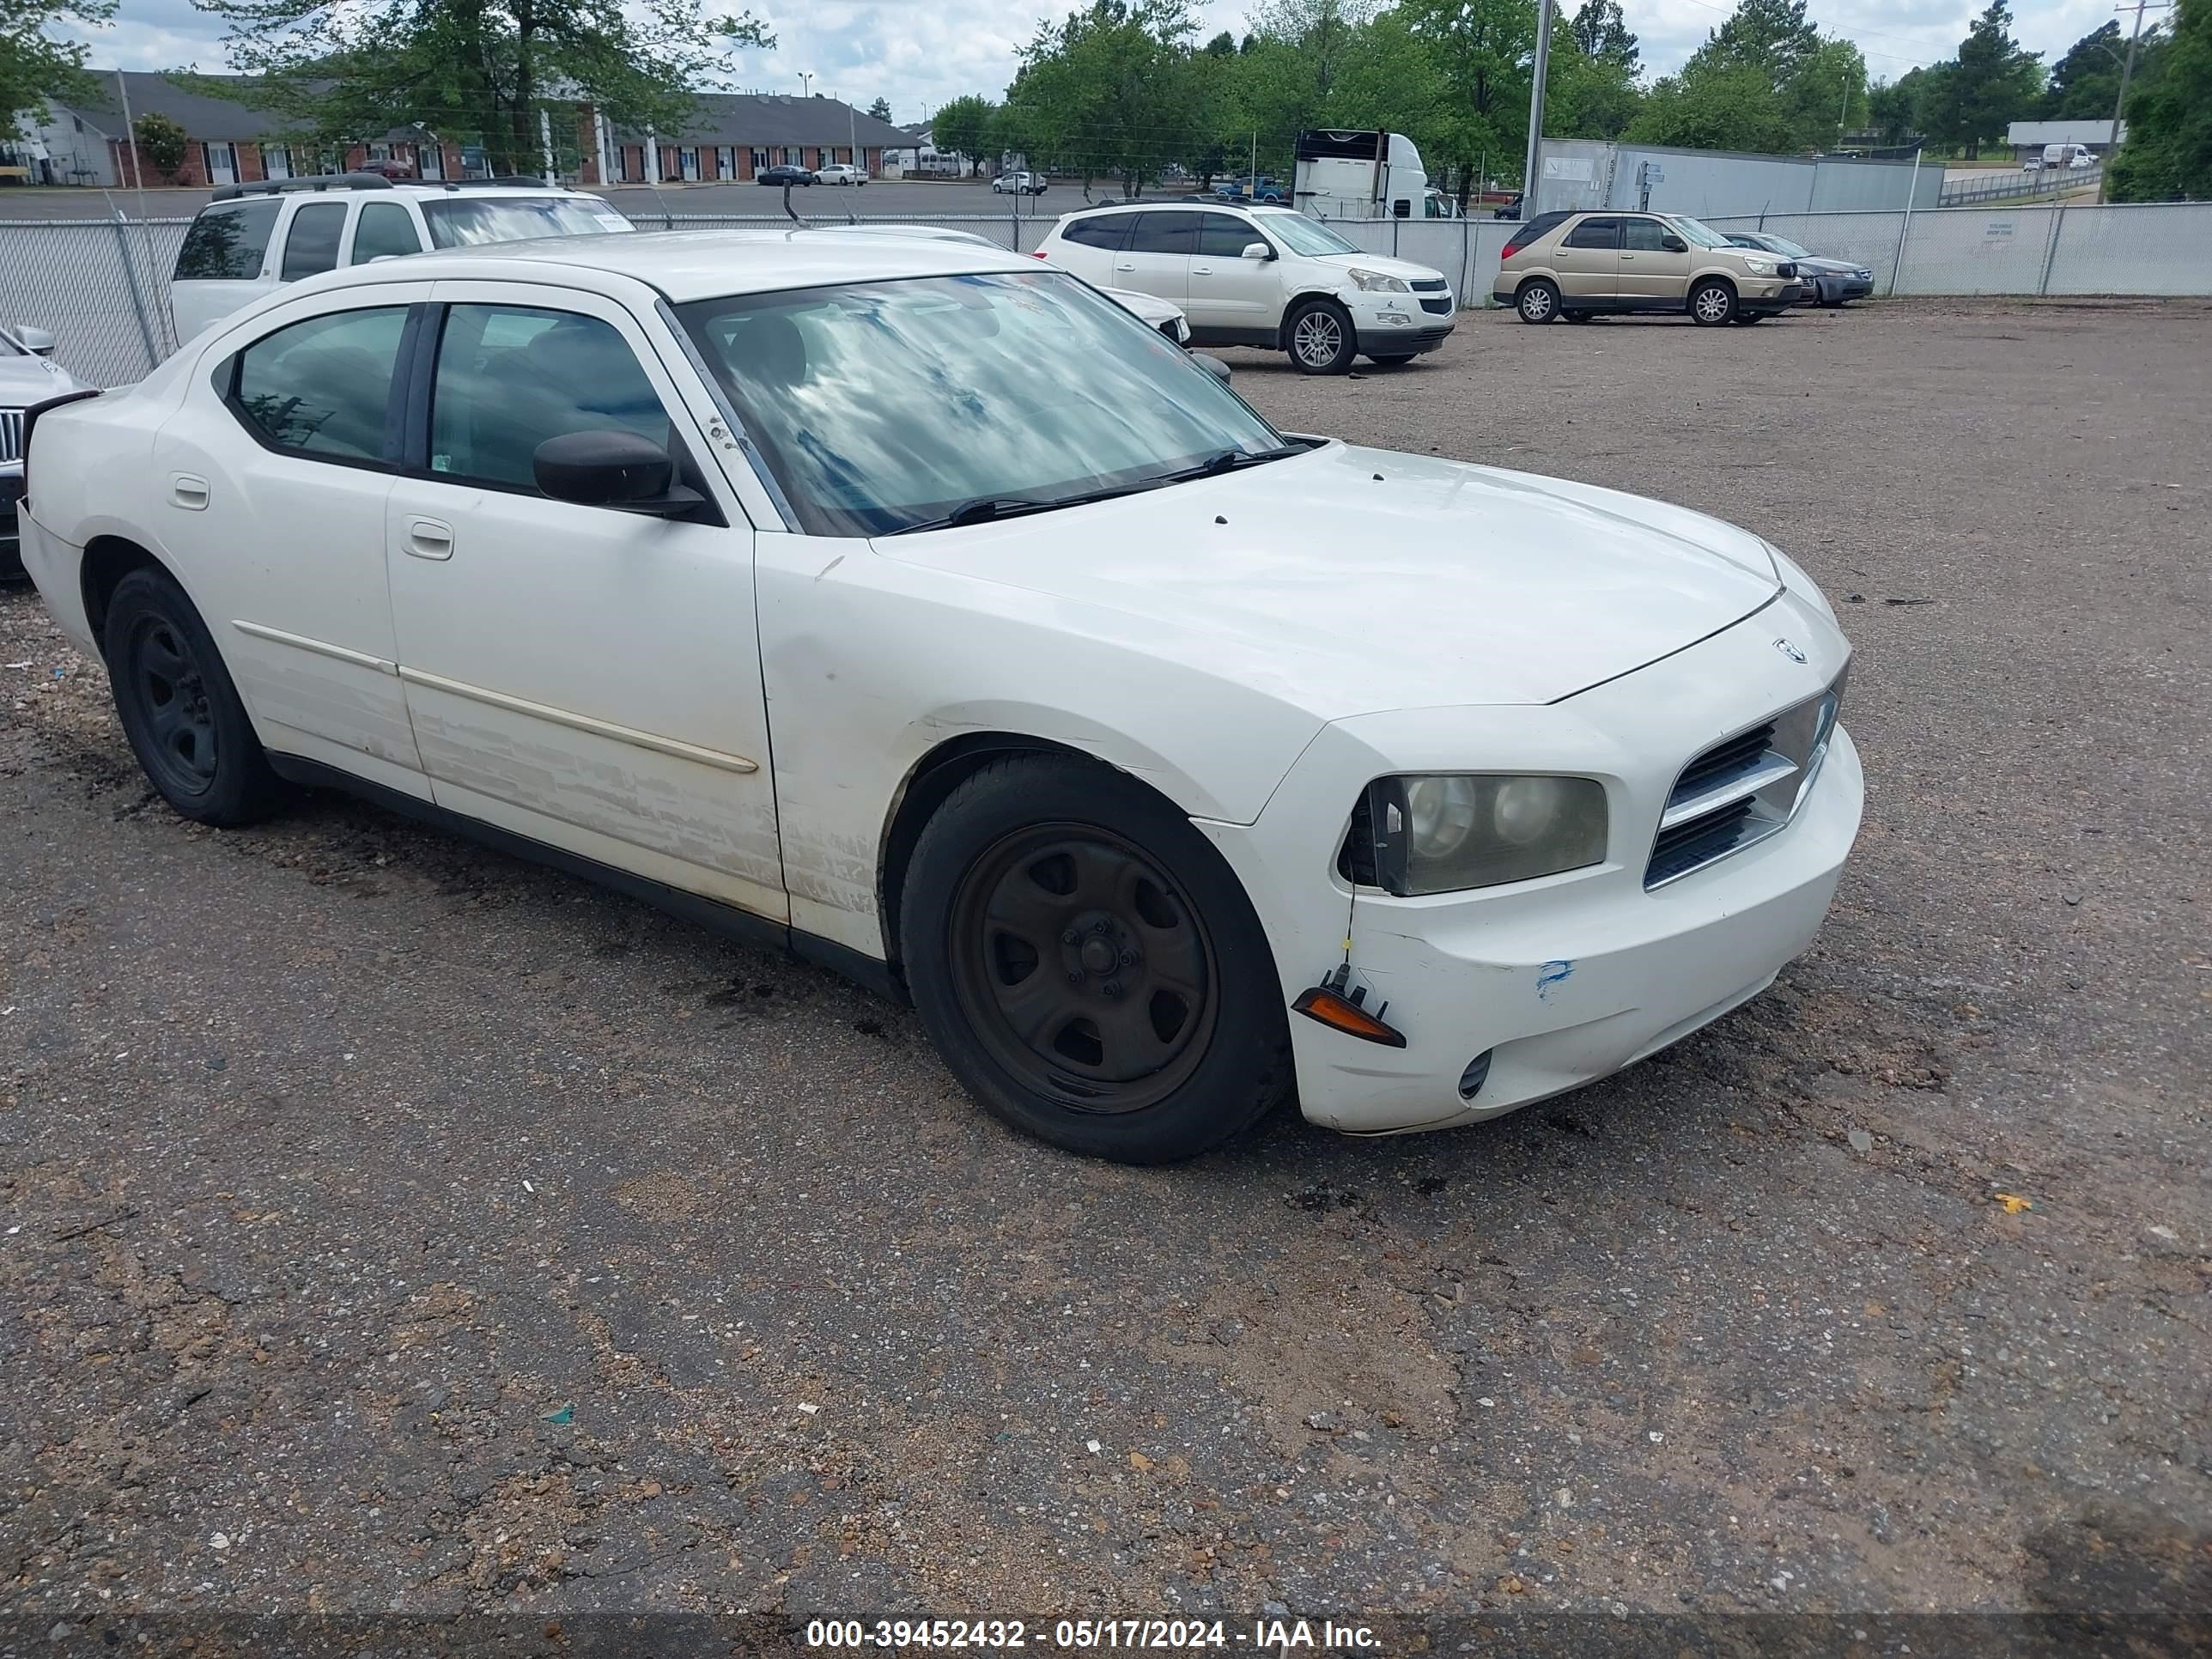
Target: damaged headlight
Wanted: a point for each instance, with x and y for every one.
(1444, 832)
(1377, 282)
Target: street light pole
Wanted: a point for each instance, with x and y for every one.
(1536, 111)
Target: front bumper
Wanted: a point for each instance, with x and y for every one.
(1777, 294)
(1563, 980)
(11, 534)
(1400, 325)
(1838, 288)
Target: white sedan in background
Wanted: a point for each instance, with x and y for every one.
(1175, 765)
(841, 172)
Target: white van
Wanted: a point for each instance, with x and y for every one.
(2063, 155)
(251, 238)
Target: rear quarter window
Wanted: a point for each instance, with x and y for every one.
(227, 243)
(1108, 230)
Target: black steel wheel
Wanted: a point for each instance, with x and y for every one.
(178, 708)
(1089, 965)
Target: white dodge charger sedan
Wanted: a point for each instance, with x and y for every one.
(910, 605)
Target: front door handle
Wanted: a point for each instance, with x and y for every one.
(429, 538)
(1201, 271)
(188, 492)
(1627, 259)
(1124, 265)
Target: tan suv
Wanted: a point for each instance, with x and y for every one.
(1577, 264)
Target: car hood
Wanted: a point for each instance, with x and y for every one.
(1147, 308)
(1829, 267)
(1404, 269)
(27, 381)
(1348, 580)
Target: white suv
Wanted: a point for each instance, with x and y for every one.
(252, 239)
(1266, 277)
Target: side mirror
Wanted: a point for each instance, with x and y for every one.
(1673, 244)
(613, 469)
(1257, 250)
(1213, 366)
(40, 342)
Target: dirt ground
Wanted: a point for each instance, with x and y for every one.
(389, 1227)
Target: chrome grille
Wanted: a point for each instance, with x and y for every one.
(11, 434)
(1743, 789)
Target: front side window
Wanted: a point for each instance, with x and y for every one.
(473, 220)
(885, 406)
(322, 388)
(311, 244)
(1303, 235)
(1644, 235)
(510, 377)
(383, 230)
(227, 244)
(1224, 236)
(1595, 233)
(1696, 234)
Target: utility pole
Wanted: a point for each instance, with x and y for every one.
(2127, 74)
(1536, 111)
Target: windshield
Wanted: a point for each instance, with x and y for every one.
(884, 406)
(1303, 235)
(471, 220)
(1696, 234)
(1788, 249)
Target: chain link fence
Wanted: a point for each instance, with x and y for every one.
(101, 286)
(2016, 184)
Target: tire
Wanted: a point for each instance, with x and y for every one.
(1576, 316)
(1050, 892)
(1394, 360)
(1537, 301)
(180, 709)
(1711, 304)
(1320, 337)
(1751, 316)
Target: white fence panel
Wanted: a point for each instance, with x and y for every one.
(2161, 248)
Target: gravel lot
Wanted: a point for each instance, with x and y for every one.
(392, 1227)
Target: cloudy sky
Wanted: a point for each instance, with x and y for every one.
(918, 56)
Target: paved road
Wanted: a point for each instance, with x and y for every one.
(387, 1225)
(883, 196)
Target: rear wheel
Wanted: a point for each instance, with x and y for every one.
(1321, 337)
(1713, 304)
(180, 710)
(1537, 301)
(1088, 966)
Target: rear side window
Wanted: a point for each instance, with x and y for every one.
(226, 244)
(1165, 233)
(311, 246)
(1107, 230)
(1594, 233)
(1534, 231)
(322, 388)
(383, 229)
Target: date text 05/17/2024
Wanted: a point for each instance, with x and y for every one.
(1091, 1635)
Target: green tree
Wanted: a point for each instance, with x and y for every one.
(966, 126)
(1772, 36)
(2168, 153)
(881, 109)
(1484, 49)
(474, 70)
(1829, 87)
(1600, 31)
(35, 66)
(1112, 91)
(1595, 67)
(163, 142)
(1893, 107)
(1993, 81)
(2085, 83)
(1714, 106)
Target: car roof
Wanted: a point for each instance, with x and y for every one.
(1209, 205)
(696, 264)
(415, 189)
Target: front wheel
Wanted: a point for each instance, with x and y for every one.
(1395, 359)
(1088, 966)
(1321, 336)
(1713, 304)
(1537, 302)
(1751, 316)
(178, 709)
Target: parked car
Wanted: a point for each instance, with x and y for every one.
(1174, 765)
(1257, 188)
(1830, 283)
(1508, 208)
(842, 173)
(1577, 265)
(1264, 277)
(389, 169)
(251, 239)
(783, 172)
(29, 375)
(1018, 184)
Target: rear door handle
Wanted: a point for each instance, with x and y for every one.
(1201, 271)
(429, 538)
(188, 492)
(1627, 259)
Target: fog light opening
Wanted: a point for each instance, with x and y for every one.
(1477, 1073)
